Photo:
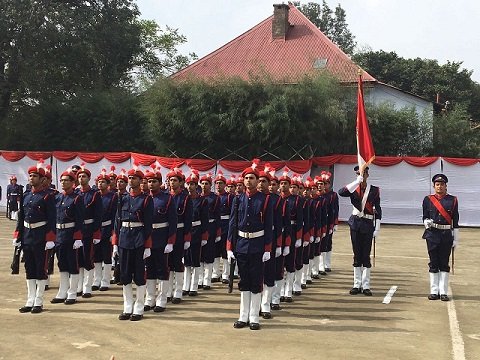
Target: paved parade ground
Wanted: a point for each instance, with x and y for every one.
(325, 322)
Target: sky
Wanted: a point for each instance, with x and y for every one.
(429, 29)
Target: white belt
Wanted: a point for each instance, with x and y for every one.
(13, 194)
(211, 220)
(65, 226)
(160, 225)
(196, 223)
(180, 225)
(368, 216)
(133, 224)
(441, 227)
(88, 221)
(106, 223)
(248, 235)
(225, 217)
(34, 225)
(293, 222)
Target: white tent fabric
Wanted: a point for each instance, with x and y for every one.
(17, 168)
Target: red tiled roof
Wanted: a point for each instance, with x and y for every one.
(255, 53)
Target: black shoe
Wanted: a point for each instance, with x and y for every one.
(47, 287)
(95, 287)
(136, 317)
(79, 293)
(322, 273)
(207, 287)
(87, 295)
(254, 326)
(266, 315)
(158, 309)
(328, 270)
(367, 292)
(25, 309)
(147, 308)
(200, 286)
(355, 291)
(235, 277)
(103, 288)
(124, 316)
(296, 293)
(309, 282)
(444, 297)
(315, 277)
(214, 280)
(282, 298)
(57, 300)
(176, 300)
(225, 281)
(303, 286)
(184, 292)
(37, 310)
(275, 307)
(192, 293)
(70, 301)
(239, 324)
(288, 299)
(112, 281)
(169, 298)
(433, 297)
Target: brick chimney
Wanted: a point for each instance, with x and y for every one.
(280, 23)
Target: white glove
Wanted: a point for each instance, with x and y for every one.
(330, 231)
(298, 243)
(49, 245)
(168, 248)
(286, 250)
(115, 250)
(218, 238)
(428, 223)
(266, 256)
(230, 256)
(16, 242)
(146, 253)
(317, 239)
(96, 241)
(203, 243)
(186, 245)
(278, 251)
(377, 229)
(312, 239)
(354, 184)
(456, 237)
(77, 244)
(335, 228)
(305, 243)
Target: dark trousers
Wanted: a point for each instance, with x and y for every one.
(157, 264)
(269, 270)
(299, 257)
(85, 258)
(36, 261)
(192, 255)
(361, 245)
(132, 266)
(316, 248)
(250, 270)
(326, 243)
(102, 252)
(290, 259)
(279, 267)
(439, 249)
(175, 262)
(208, 251)
(306, 253)
(67, 257)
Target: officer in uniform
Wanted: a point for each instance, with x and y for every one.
(440, 217)
(199, 236)
(92, 234)
(122, 182)
(132, 242)
(231, 185)
(103, 250)
(364, 225)
(50, 188)
(331, 200)
(164, 233)
(13, 196)
(68, 243)
(226, 200)
(183, 206)
(253, 246)
(37, 218)
(320, 226)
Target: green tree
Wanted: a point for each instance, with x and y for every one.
(332, 24)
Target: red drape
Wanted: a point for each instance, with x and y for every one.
(13, 155)
(461, 162)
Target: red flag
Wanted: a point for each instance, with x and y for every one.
(365, 150)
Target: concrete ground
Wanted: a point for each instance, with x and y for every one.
(325, 322)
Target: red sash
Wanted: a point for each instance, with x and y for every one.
(440, 208)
